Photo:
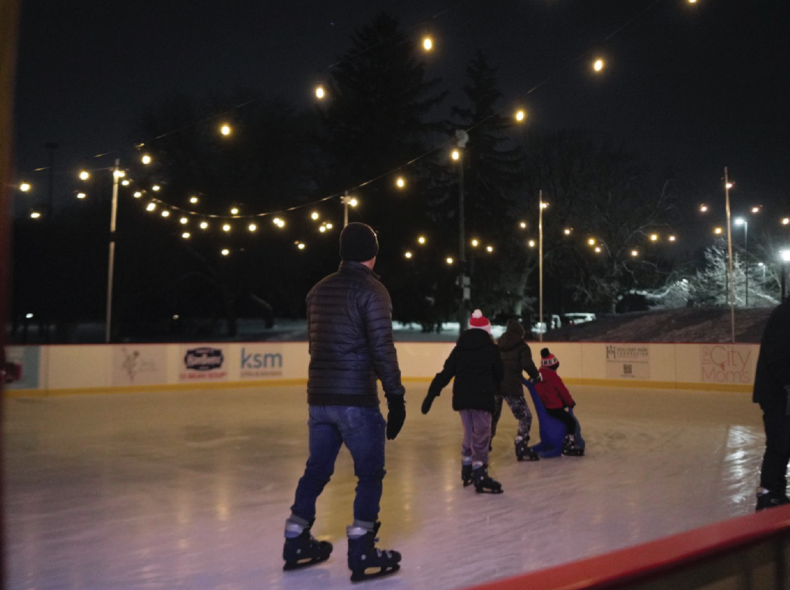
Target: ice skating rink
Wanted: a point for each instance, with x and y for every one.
(190, 490)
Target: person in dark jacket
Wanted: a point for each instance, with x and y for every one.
(516, 358)
(771, 391)
(349, 319)
(478, 372)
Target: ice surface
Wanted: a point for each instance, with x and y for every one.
(190, 490)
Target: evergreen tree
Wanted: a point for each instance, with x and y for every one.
(493, 185)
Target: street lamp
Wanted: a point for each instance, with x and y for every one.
(116, 175)
(745, 224)
(347, 200)
(461, 139)
(541, 207)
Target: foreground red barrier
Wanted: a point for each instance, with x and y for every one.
(745, 552)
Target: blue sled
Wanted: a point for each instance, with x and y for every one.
(552, 431)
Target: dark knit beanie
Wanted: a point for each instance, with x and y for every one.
(515, 327)
(548, 360)
(358, 242)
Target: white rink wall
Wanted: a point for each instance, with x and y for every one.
(64, 369)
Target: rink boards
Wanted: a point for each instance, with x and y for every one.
(66, 369)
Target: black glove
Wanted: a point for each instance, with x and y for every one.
(396, 415)
(426, 403)
(537, 379)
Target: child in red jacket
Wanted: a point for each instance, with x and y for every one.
(556, 397)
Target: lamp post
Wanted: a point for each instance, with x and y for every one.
(347, 200)
(745, 224)
(541, 206)
(116, 174)
(731, 289)
(461, 139)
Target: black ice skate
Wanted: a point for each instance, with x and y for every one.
(363, 554)
(768, 499)
(466, 474)
(485, 484)
(569, 447)
(523, 452)
(305, 549)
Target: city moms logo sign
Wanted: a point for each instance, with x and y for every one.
(256, 363)
(203, 363)
(727, 363)
(627, 362)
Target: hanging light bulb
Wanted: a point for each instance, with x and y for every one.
(427, 43)
(203, 225)
(319, 92)
(225, 129)
(84, 175)
(146, 159)
(24, 187)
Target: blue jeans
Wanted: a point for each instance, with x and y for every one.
(362, 431)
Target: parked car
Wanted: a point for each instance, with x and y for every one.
(554, 323)
(576, 318)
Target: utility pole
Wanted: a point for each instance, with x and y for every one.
(461, 139)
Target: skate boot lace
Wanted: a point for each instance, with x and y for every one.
(379, 551)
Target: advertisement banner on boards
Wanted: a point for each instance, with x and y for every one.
(261, 362)
(727, 363)
(138, 365)
(202, 363)
(627, 361)
(26, 361)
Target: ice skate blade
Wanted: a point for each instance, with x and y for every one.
(297, 565)
(481, 491)
(574, 453)
(361, 575)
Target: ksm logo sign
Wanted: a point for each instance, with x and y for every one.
(257, 363)
(727, 363)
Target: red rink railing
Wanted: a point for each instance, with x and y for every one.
(749, 552)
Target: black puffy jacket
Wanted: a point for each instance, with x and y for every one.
(517, 357)
(349, 325)
(772, 376)
(477, 368)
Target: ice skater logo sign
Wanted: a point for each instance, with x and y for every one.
(722, 363)
(203, 362)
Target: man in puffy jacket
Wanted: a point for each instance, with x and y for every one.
(771, 391)
(349, 319)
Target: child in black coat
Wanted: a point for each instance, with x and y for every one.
(477, 367)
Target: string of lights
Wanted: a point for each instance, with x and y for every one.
(186, 216)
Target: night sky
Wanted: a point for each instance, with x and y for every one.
(690, 87)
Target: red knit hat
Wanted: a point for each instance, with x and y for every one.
(547, 359)
(478, 320)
